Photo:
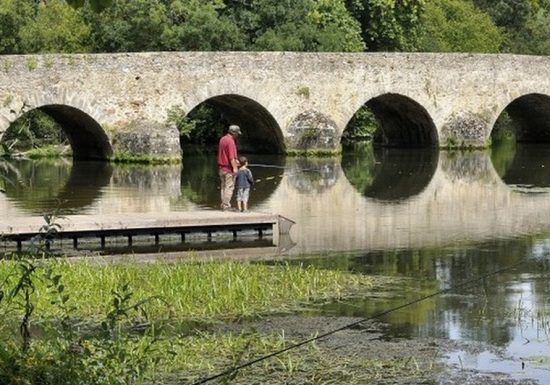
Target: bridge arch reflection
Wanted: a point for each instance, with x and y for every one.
(44, 186)
(523, 167)
(390, 174)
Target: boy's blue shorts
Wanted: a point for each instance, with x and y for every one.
(242, 194)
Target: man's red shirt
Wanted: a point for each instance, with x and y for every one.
(227, 150)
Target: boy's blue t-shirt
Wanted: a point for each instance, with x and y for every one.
(244, 178)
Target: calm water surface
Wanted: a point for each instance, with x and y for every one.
(429, 220)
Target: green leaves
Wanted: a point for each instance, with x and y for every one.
(96, 5)
(458, 26)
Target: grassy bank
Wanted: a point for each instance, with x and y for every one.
(206, 290)
(122, 323)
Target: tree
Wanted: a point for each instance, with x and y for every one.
(308, 25)
(159, 25)
(510, 14)
(13, 15)
(457, 26)
(198, 25)
(55, 28)
(388, 25)
(96, 5)
(534, 37)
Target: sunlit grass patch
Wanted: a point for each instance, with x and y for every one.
(193, 290)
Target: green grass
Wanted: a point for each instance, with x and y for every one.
(221, 290)
(83, 317)
(49, 151)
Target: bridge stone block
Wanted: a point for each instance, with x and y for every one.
(144, 140)
(312, 131)
(465, 129)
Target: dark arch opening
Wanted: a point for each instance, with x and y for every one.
(396, 121)
(260, 131)
(526, 119)
(87, 138)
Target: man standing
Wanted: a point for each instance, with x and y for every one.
(228, 164)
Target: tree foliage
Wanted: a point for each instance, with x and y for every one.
(388, 25)
(458, 26)
(55, 28)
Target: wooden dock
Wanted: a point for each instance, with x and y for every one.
(77, 227)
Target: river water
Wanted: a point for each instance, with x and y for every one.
(433, 221)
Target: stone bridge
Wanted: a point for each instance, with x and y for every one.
(111, 104)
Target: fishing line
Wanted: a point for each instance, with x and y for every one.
(375, 316)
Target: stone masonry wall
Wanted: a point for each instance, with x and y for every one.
(462, 93)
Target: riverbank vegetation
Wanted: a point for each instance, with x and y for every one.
(491, 26)
(127, 323)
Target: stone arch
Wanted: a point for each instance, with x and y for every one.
(260, 130)
(530, 115)
(87, 138)
(402, 122)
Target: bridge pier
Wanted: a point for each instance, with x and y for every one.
(312, 133)
(146, 141)
(466, 130)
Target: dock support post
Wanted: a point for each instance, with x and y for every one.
(19, 245)
(75, 243)
(182, 237)
(102, 241)
(234, 234)
(157, 239)
(129, 240)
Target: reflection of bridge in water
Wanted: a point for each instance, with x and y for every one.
(388, 199)
(465, 200)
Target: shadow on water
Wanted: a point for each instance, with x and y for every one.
(42, 186)
(523, 167)
(390, 174)
(200, 181)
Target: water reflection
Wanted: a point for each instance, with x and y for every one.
(528, 167)
(338, 204)
(200, 180)
(507, 308)
(41, 186)
(312, 176)
(390, 174)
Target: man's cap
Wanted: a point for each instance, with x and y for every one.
(235, 129)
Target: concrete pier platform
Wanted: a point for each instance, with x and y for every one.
(77, 227)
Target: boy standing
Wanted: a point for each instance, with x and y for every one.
(243, 181)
